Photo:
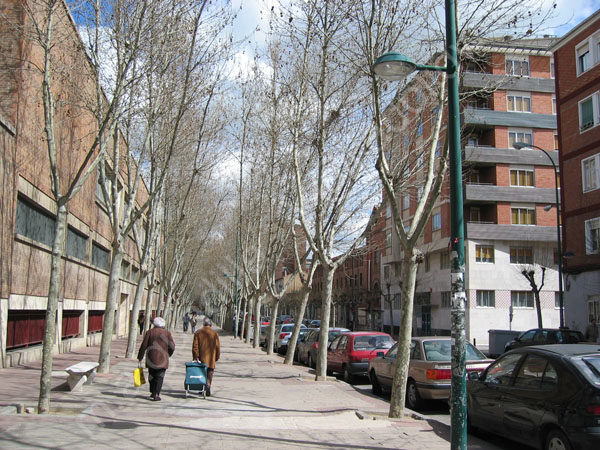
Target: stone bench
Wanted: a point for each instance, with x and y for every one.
(80, 374)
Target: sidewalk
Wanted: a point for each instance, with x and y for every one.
(257, 402)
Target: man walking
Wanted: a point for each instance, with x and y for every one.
(186, 322)
(158, 346)
(207, 349)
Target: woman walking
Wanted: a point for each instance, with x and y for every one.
(157, 346)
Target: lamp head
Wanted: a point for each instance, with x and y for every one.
(393, 66)
(520, 145)
(547, 208)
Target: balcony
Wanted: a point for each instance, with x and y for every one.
(472, 80)
(490, 118)
(525, 233)
(493, 155)
(487, 193)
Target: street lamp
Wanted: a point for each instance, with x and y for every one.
(561, 305)
(395, 66)
(235, 301)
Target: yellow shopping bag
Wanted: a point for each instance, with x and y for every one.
(138, 377)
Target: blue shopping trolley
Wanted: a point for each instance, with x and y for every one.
(195, 378)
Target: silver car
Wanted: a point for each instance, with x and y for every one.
(282, 335)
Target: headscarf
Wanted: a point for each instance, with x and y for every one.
(159, 322)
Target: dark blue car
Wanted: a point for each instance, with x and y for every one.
(545, 396)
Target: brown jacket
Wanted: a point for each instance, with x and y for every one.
(158, 345)
(207, 347)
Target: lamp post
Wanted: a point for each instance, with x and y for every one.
(235, 301)
(561, 305)
(394, 66)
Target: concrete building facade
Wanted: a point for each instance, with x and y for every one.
(509, 213)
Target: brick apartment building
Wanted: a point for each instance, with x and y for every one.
(357, 287)
(509, 195)
(577, 57)
(28, 210)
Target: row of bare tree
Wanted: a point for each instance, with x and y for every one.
(306, 123)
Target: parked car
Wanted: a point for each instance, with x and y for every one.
(429, 371)
(264, 333)
(288, 320)
(545, 396)
(350, 352)
(542, 336)
(309, 347)
(282, 335)
(315, 324)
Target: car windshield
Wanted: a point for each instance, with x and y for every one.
(335, 333)
(440, 350)
(372, 342)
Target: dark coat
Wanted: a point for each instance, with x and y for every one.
(206, 347)
(157, 345)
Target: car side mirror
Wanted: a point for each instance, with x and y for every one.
(473, 376)
(380, 354)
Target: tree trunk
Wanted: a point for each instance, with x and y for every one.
(244, 319)
(538, 307)
(409, 272)
(289, 357)
(135, 311)
(272, 327)
(321, 373)
(249, 320)
(53, 294)
(149, 301)
(257, 321)
(109, 313)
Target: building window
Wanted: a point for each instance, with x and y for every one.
(420, 127)
(552, 75)
(556, 142)
(376, 256)
(521, 255)
(554, 104)
(388, 238)
(427, 263)
(100, 256)
(590, 173)
(446, 299)
(438, 149)
(592, 236)
(484, 253)
(517, 65)
(557, 300)
(436, 222)
(594, 307)
(521, 177)
(444, 260)
(486, 299)
(475, 214)
(420, 190)
(514, 136)
(583, 58)
(588, 112)
(420, 161)
(34, 223)
(386, 272)
(518, 102)
(396, 301)
(522, 216)
(388, 211)
(521, 299)
(76, 244)
(125, 268)
(406, 201)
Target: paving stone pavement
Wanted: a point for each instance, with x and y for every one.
(257, 402)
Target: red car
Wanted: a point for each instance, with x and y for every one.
(350, 353)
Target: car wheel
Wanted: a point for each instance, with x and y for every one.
(413, 399)
(375, 386)
(348, 377)
(557, 440)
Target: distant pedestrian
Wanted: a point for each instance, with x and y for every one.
(591, 332)
(207, 349)
(157, 346)
(186, 322)
(140, 321)
(194, 322)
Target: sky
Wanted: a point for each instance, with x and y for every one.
(569, 13)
